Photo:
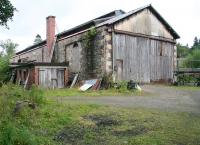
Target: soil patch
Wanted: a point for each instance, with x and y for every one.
(103, 120)
(138, 130)
(70, 135)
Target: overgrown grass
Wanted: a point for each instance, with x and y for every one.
(54, 123)
(14, 128)
(93, 93)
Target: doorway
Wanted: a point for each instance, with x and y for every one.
(119, 65)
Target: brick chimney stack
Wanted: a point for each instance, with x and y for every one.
(50, 32)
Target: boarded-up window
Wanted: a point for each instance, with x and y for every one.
(73, 55)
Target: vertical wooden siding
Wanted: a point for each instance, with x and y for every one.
(145, 22)
(144, 60)
(51, 77)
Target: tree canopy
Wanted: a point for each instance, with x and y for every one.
(191, 55)
(7, 50)
(182, 51)
(6, 12)
(38, 39)
(196, 43)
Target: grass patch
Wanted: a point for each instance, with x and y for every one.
(92, 93)
(54, 123)
(110, 125)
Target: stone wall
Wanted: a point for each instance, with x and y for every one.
(36, 54)
(71, 49)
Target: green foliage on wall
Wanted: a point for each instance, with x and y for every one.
(88, 42)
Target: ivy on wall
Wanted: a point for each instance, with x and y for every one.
(88, 43)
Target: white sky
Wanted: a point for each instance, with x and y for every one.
(182, 15)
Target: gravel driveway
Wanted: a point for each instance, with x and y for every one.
(163, 98)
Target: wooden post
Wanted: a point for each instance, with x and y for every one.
(36, 76)
(66, 76)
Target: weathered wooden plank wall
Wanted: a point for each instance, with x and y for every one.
(144, 59)
(51, 77)
(144, 22)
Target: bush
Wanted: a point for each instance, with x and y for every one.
(4, 69)
(122, 87)
(186, 79)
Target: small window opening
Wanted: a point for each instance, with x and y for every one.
(161, 52)
(75, 44)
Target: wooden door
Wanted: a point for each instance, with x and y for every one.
(60, 78)
(54, 81)
(119, 64)
(42, 74)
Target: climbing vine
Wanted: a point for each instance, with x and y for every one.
(88, 42)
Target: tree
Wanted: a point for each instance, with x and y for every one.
(196, 44)
(196, 41)
(182, 51)
(7, 50)
(6, 12)
(38, 39)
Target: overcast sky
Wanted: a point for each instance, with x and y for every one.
(183, 16)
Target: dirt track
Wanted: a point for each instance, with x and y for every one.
(163, 98)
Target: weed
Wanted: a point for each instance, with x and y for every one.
(37, 95)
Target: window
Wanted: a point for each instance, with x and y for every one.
(161, 51)
(75, 44)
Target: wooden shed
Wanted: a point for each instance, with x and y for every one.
(46, 75)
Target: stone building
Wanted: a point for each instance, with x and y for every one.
(138, 45)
